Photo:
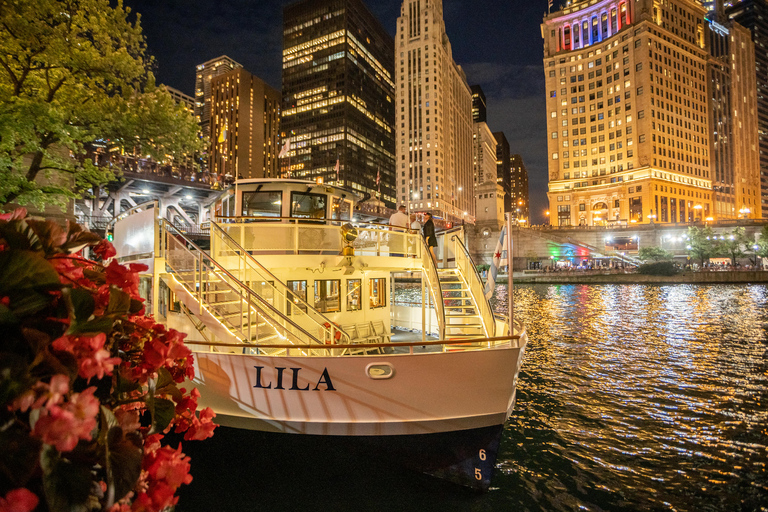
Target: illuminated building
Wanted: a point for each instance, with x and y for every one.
(628, 125)
(503, 170)
(479, 109)
(338, 96)
(204, 74)
(434, 116)
(245, 113)
(519, 189)
(733, 118)
(753, 14)
(182, 99)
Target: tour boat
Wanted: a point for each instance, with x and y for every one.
(287, 302)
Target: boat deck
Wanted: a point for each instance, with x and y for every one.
(406, 336)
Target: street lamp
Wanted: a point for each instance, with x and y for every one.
(755, 248)
(651, 217)
(698, 208)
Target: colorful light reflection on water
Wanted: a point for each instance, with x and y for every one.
(639, 398)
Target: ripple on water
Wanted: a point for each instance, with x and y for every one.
(636, 397)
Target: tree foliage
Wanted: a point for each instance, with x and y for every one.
(71, 72)
(734, 245)
(701, 243)
(654, 254)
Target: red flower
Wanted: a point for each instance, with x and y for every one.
(92, 359)
(104, 250)
(19, 500)
(124, 278)
(63, 426)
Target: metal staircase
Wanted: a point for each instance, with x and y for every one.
(462, 317)
(223, 307)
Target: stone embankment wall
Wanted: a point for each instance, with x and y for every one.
(715, 277)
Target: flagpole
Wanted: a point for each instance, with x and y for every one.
(510, 286)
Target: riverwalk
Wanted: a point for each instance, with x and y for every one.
(618, 277)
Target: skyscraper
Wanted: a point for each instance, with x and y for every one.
(519, 189)
(627, 112)
(338, 96)
(245, 113)
(733, 117)
(434, 116)
(753, 14)
(503, 170)
(205, 73)
(479, 108)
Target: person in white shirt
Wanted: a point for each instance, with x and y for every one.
(399, 218)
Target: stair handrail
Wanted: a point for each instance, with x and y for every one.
(212, 263)
(433, 283)
(313, 314)
(475, 283)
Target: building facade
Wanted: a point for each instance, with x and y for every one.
(479, 107)
(503, 169)
(753, 14)
(733, 117)
(204, 74)
(185, 100)
(520, 200)
(628, 115)
(434, 117)
(245, 115)
(338, 97)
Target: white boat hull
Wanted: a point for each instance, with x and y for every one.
(424, 394)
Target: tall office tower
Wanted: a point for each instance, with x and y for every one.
(503, 169)
(338, 96)
(434, 116)
(205, 73)
(479, 110)
(627, 112)
(733, 117)
(183, 99)
(245, 113)
(519, 190)
(753, 14)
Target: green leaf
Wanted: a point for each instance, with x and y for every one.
(163, 411)
(83, 303)
(25, 270)
(119, 301)
(67, 484)
(101, 324)
(28, 303)
(124, 456)
(20, 454)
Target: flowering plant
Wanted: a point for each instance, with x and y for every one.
(89, 385)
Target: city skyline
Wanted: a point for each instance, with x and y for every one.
(498, 46)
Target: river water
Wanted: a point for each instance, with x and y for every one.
(631, 398)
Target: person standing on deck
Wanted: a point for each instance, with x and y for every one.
(429, 235)
(399, 219)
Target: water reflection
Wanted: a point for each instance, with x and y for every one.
(640, 398)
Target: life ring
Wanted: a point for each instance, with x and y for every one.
(337, 336)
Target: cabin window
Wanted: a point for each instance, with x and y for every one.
(378, 292)
(262, 204)
(327, 299)
(341, 209)
(307, 206)
(354, 294)
(296, 290)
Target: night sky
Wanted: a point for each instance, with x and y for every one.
(497, 42)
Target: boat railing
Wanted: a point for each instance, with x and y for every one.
(433, 283)
(447, 345)
(203, 275)
(291, 235)
(468, 269)
(241, 263)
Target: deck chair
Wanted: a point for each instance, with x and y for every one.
(381, 332)
(354, 338)
(366, 335)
